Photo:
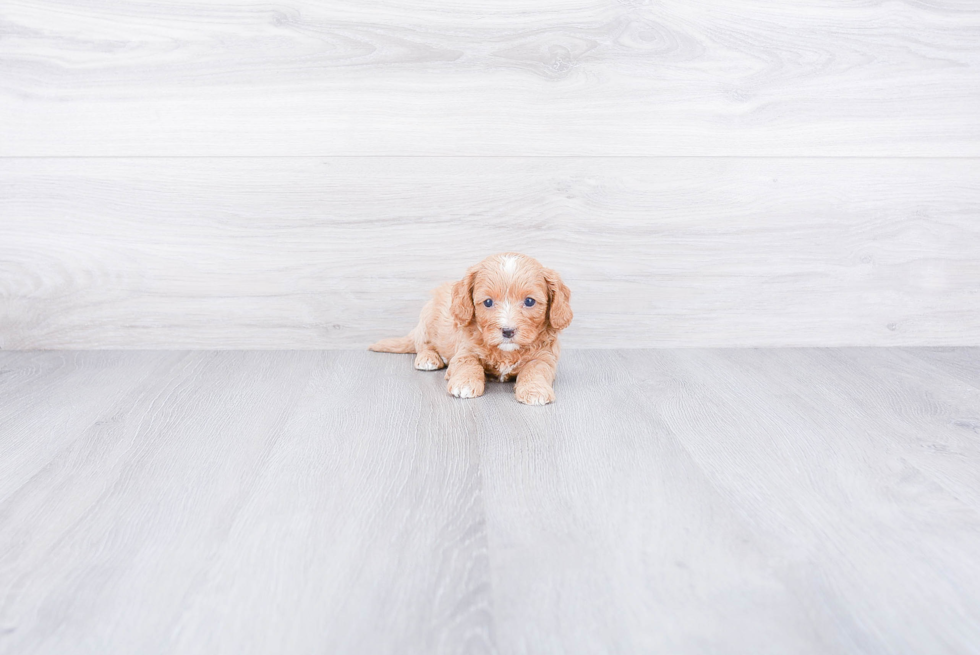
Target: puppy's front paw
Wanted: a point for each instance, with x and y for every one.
(428, 360)
(465, 388)
(535, 394)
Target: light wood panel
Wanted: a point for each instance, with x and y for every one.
(687, 501)
(819, 451)
(311, 253)
(606, 536)
(145, 507)
(490, 77)
(738, 501)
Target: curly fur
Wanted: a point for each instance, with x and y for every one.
(458, 330)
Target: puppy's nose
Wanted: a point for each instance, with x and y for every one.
(508, 332)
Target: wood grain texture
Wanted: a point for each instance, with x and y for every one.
(500, 77)
(310, 253)
(685, 501)
(965, 364)
(827, 458)
(145, 508)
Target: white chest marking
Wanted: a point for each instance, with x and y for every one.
(505, 371)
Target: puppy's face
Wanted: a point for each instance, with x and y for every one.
(513, 300)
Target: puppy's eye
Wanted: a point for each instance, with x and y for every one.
(529, 302)
(488, 303)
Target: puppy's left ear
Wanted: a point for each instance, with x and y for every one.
(461, 305)
(559, 297)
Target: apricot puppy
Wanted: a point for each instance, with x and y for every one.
(502, 319)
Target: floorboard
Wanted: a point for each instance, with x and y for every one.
(684, 501)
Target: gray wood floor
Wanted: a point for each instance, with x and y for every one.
(674, 501)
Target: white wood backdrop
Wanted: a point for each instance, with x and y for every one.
(224, 174)
(490, 77)
(308, 252)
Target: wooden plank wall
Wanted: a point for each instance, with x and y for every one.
(225, 174)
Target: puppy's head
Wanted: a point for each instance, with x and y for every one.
(513, 300)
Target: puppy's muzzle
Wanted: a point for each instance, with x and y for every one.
(508, 332)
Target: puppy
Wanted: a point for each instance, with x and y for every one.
(502, 319)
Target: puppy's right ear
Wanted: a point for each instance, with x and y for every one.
(559, 309)
(461, 306)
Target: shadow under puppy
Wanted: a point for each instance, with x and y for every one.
(502, 319)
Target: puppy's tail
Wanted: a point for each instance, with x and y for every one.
(404, 344)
